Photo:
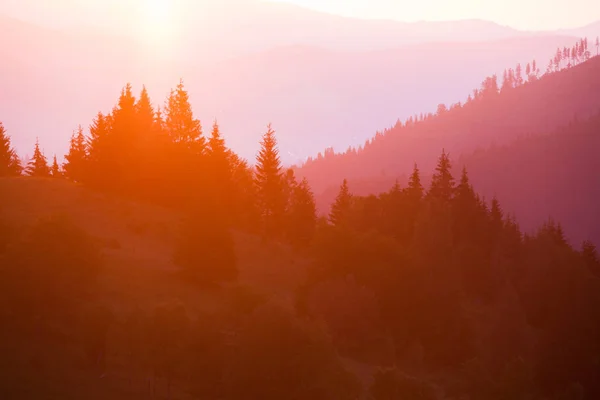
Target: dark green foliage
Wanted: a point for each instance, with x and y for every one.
(205, 249)
(38, 166)
(10, 165)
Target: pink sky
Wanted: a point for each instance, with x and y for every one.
(529, 15)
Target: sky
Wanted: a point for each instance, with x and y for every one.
(526, 15)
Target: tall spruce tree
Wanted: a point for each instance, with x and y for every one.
(302, 215)
(75, 164)
(145, 112)
(183, 128)
(590, 257)
(442, 182)
(220, 181)
(269, 184)
(55, 170)
(10, 165)
(341, 207)
(415, 188)
(38, 165)
(99, 154)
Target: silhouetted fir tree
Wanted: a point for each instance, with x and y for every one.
(289, 185)
(340, 209)
(442, 182)
(183, 128)
(518, 75)
(16, 165)
(220, 169)
(98, 145)
(122, 144)
(38, 165)
(465, 215)
(10, 165)
(496, 216)
(415, 188)
(145, 112)
(269, 184)
(590, 257)
(75, 161)
(55, 170)
(244, 194)
(302, 215)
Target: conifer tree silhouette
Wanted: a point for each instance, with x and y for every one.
(269, 184)
(38, 165)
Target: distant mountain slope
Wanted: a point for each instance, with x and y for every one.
(315, 97)
(552, 173)
(544, 176)
(536, 107)
(243, 26)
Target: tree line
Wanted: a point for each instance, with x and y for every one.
(162, 155)
(490, 86)
(455, 288)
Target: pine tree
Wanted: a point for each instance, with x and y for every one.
(415, 188)
(302, 216)
(496, 216)
(464, 190)
(16, 165)
(442, 182)
(465, 209)
(100, 155)
(269, 184)
(590, 257)
(341, 208)
(220, 168)
(10, 165)
(55, 168)
(38, 165)
(183, 128)
(145, 112)
(289, 186)
(75, 163)
(518, 75)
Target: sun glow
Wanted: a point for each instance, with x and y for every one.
(156, 23)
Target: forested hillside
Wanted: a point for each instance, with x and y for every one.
(497, 115)
(155, 262)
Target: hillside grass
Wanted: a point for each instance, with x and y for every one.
(137, 242)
